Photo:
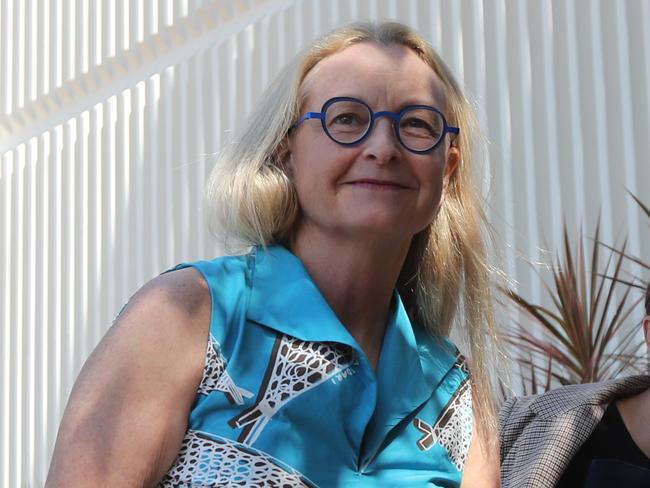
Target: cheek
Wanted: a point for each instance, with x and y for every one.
(432, 182)
(316, 168)
(312, 184)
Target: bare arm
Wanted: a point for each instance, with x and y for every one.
(127, 413)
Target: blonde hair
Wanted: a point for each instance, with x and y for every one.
(446, 278)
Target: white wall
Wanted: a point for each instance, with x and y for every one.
(110, 112)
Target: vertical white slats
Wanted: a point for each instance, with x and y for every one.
(44, 42)
(334, 15)
(434, 14)
(56, 47)
(280, 57)
(297, 27)
(182, 215)
(167, 139)
(123, 239)
(95, 35)
(166, 13)
(140, 273)
(85, 241)
(645, 62)
(258, 65)
(109, 29)
(373, 10)
(392, 9)
(17, 351)
(96, 225)
(262, 46)
(244, 71)
(310, 19)
(476, 88)
(181, 8)
(5, 59)
(45, 381)
(571, 100)
(198, 153)
(619, 33)
(78, 244)
(107, 194)
(68, 268)
(83, 43)
(31, 47)
(7, 377)
(525, 144)
(44, 36)
(130, 265)
(155, 187)
(458, 44)
(136, 22)
(110, 161)
(217, 131)
(620, 160)
(151, 16)
(451, 46)
(19, 56)
(363, 9)
(5, 77)
(639, 21)
(55, 321)
(544, 103)
(413, 13)
(29, 397)
(600, 140)
(498, 108)
(69, 29)
(348, 11)
(122, 14)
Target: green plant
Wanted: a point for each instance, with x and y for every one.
(585, 336)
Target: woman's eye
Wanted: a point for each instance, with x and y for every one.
(346, 119)
(416, 124)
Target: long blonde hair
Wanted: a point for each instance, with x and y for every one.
(446, 278)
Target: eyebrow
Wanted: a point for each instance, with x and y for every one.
(408, 103)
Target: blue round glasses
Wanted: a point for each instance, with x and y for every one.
(348, 121)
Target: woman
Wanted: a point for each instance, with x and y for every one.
(352, 181)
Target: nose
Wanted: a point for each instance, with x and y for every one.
(381, 144)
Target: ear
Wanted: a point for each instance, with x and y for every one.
(646, 329)
(451, 164)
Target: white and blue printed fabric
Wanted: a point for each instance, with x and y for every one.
(288, 398)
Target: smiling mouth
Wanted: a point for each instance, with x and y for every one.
(378, 184)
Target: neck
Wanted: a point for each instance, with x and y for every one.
(356, 277)
(635, 412)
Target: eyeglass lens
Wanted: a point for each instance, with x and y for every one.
(348, 121)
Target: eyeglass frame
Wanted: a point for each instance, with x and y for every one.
(394, 116)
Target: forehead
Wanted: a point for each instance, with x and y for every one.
(391, 76)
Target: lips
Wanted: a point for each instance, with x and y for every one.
(378, 184)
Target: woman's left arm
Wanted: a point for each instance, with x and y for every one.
(482, 468)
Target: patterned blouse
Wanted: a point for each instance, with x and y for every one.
(289, 399)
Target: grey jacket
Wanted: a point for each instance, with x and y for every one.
(541, 434)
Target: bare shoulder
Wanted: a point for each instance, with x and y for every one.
(182, 293)
(127, 413)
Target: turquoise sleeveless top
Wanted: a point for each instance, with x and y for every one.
(288, 398)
